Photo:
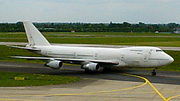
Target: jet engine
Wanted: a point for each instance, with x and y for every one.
(54, 64)
(91, 67)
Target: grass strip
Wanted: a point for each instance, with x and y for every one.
(12, 79)
(108, 38)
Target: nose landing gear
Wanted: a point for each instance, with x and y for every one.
(153, 73)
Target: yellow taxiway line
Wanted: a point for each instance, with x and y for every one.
(154, 88)
(110, 91)
(173, 97)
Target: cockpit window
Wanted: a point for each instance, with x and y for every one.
(159, 51)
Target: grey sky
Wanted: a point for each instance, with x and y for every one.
(133, 11)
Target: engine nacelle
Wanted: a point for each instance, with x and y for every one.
(54, 64)
(91, 67)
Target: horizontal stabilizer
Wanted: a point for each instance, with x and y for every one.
(26, 48)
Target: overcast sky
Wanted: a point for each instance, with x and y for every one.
(132, 11)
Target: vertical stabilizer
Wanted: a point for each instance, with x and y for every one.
(35, 38)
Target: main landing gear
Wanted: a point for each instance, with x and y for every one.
(153, 73)
(106, 69)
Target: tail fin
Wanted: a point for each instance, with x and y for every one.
(35, 38)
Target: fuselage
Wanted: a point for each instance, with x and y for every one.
(148, 57)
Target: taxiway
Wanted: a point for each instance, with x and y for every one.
(118, 85)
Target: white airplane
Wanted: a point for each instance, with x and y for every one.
(92, 59)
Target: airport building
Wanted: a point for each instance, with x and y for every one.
(177, 30)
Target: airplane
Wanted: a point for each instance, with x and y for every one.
(92, 58)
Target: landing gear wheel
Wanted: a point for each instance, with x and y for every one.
(88, 71)
(153, 73)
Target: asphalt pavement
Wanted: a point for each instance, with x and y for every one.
(118, 85)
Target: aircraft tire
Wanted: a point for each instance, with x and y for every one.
(153, 73)
(106, 69)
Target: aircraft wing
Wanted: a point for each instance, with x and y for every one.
(69, 60)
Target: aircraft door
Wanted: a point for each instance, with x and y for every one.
(44, 53)
(96, 56)
(146, 58)
(147, 55)
(122, 57)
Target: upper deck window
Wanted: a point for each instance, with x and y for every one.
(136, 50)
(159, 51)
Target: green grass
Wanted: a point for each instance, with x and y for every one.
(7, 79)
(107, 38)
(6, 52)
(12, 35)
(137, 41)
(175, 66)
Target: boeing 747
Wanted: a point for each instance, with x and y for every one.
(91, 58)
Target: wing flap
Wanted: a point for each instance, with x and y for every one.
(112, 62)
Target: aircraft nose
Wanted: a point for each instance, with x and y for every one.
(171, 59)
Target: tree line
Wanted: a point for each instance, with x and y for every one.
(92, 27)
